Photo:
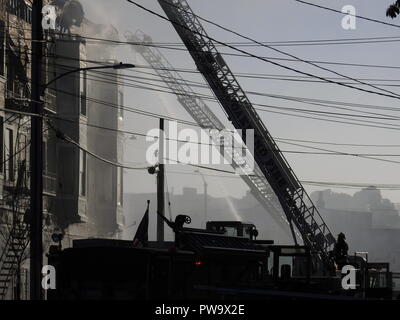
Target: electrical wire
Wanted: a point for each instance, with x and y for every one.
(349, 14)
(63, 136)
(277, 50)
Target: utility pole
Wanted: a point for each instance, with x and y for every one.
(36, 159)
(205, 196)
(160, 185)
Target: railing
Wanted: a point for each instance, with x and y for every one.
(49, 183)
(396, 284)
(50, 101)
(16, 95)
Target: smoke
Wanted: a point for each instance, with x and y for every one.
(96, 11)
(83, 18)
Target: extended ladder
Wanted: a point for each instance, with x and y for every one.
(294, 199)
(205, 118)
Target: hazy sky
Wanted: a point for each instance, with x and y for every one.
(272, 20)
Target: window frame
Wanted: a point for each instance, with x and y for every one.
(83, 93)
(9, 157)
(82, 173)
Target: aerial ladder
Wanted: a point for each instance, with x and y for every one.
(206, 119)
(296, 203)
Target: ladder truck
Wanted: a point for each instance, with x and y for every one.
(206, 119)
(296, 203)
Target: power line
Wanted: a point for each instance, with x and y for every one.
(343, 153)
(63, 136)
(217, 145)
(143, 112)
(277, 50)
(383, 117)
(297, 99)
(357, 186)
(348, 14)
(283, 43)
(255, 93)
(269, 95)
(340, 144)
(329, 152)
(354, 185)
(238, 74)
(130, 79)
(326, 114)
(311, 111)
(161, 46)
(363, 123)
(158, 116)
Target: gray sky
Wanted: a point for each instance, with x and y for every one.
(272, 20)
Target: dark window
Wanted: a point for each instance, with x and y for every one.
(2, 47)
(120, 186)
(82, 88)
(82, 173)
(21, 10)
(9, 155)
(22, 148)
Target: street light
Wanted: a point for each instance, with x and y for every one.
(36, 193)
(119, 66)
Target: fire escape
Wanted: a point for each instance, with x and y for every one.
(14, 204)
(15, 200)
(293, 198)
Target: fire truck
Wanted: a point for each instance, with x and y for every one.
(224, 260)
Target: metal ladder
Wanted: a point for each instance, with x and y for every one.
(205, 118)
(295, 201)
(17, 240)
(11, 257)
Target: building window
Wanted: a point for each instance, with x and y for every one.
(120, 104)
(21, 10)
(120, 186)
(66, 160)
(83, 90)
(9, 155)
(82, 173)
(22, 148)
(22, 154)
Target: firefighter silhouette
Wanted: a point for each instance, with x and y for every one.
(340, 251)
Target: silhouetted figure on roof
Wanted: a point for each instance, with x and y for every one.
(341, 250)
